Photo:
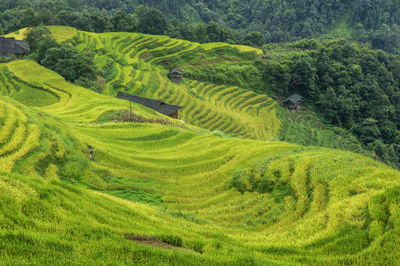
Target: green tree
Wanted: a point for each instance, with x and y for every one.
(303, 76)
(70, 64)
(367, 131)
(29, 18)
(277, 77)
(34, 35)
(123, 22)
(201, 34)
(151, 21)
(255, 39)
(74, 3)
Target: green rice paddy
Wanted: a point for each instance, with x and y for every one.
(216, 200)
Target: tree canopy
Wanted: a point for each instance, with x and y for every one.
(278, 21)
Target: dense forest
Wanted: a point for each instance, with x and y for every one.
(372, 21)
(349, 85)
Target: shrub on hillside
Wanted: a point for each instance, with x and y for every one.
(6, 59)
(238, 181)
(127, 116)
(72, 65)
(196, 246)
(262, 177)
(172, 240)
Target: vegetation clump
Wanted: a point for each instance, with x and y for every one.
(261, 178)
(128, 116)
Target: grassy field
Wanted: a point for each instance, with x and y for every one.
(208, 198)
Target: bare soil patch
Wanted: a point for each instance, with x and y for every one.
(155, 242)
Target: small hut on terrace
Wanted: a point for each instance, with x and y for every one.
(293, 102)
(176, 75)
(10, 47)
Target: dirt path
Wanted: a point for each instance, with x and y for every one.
(155, 242)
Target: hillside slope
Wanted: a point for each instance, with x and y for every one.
(225, 200)
(138, 64)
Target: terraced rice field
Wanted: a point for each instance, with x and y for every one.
(34, 85)
(214, 200)
(78, 189)
(18, 35)
(135, 60)
(18, 137)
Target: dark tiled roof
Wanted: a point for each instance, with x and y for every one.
(22, 44)
(295, 98)
(10, 46)
(168, 109)
(177, 70)
(6, 45)
(156, 105)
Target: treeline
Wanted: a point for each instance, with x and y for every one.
(349, 85)
(372, 21)
(143, 19)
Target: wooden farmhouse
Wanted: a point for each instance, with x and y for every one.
(293, 102)
(176, 75)
(159, 106)
(9, 47)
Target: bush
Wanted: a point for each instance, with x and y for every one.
(6, 59)
(238, 181)
(127, 116)
(263, 178)
(196, 246)
(172, 240)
